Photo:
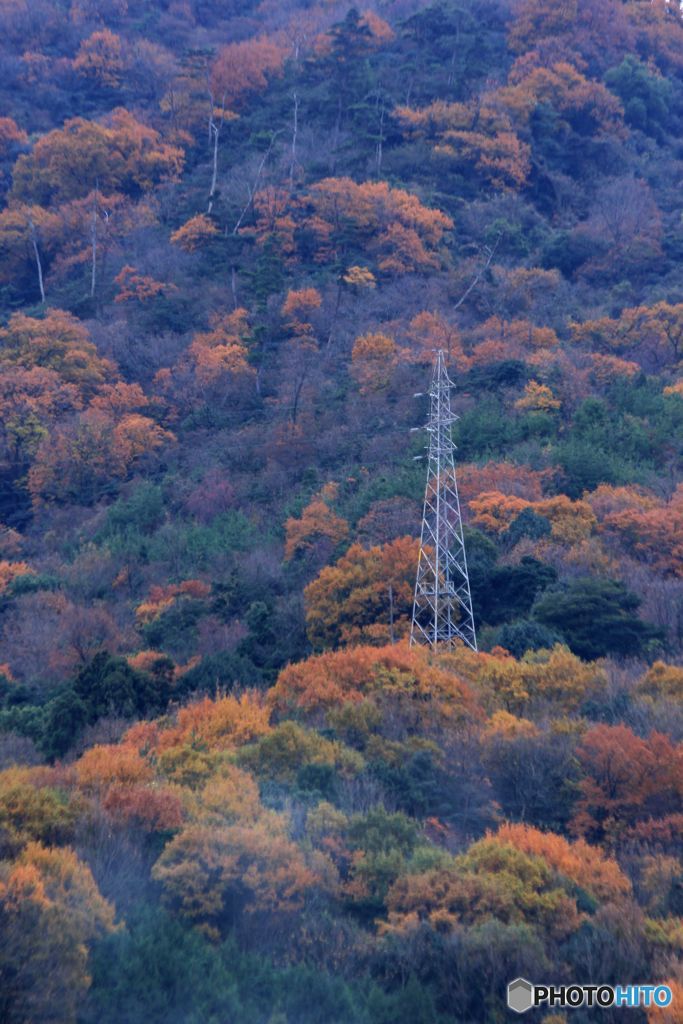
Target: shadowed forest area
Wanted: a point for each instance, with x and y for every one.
(232, 236)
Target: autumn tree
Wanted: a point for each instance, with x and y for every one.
(597, 32)
(647, 526)
(137, 287)
(58, 342)
(32, 400)
(212, 876)
(366, 596)
(319, 530)
(11, 136)
(51, 911)
(80, 460)
(391, 224)
(631, 786)
(123, 155)
(654, 332)
(364, 676)
(194, 233)
(373, 360)
(300, 305)
(493, 878)
(428, 332)
(588, 106)
(243, 68)
(101, 60)
(90, 228)
(477, 137)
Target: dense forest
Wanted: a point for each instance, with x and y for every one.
(232, 236)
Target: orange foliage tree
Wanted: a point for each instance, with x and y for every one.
(318, 525)
(194, 233)
(587, 866)
(50, 913)
(373, 360)
(632, 787)
(570, 520)
(656, 329)
(79, 459)
(100, 59)
(319, 686)
(476, 136)
(565, 89)
(365, 596)
(58, 341)
(30, 401)
(10, 571)
(492, 880)
(213, 875)
(300, 304)
(427, 332)
(391, 224)
(242, 68)
(223, 350)
(644, 525)
(134, 286)
(67, 163)
(11, 135)
(221, 724)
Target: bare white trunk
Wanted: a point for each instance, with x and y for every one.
(252, 191)
(214, 172)
(295, 133)
(233, 285)
(93, 246)
(36, 253)
(380, 143)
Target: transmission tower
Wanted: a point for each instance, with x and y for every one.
(442, 608)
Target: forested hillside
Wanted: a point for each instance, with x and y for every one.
(232, 237)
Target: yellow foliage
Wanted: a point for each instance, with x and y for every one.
(662, 680)
(374, 357)
(503, 725)
(556, 675)
(223, 723)
(232, 795)
(571, 521)
(359, 277)
(538, 398)
(324, 683)
(101, 766)
(10, 571)
(585, 865)
(206, 871)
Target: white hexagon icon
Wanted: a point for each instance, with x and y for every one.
(520, 995)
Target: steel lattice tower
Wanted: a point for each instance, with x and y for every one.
(442, 608)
